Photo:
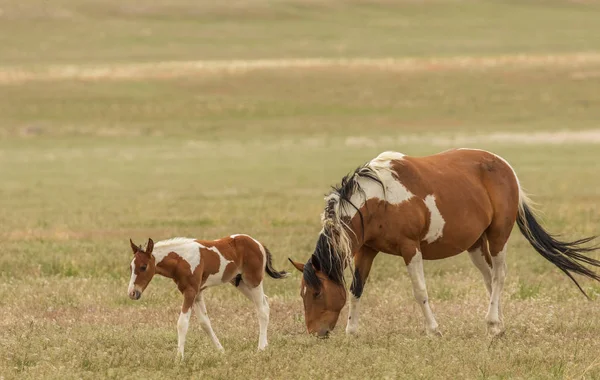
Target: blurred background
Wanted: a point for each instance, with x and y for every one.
(207, 118)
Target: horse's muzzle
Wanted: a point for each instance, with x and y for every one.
(135, 294)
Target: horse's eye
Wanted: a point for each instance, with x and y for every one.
(317, 295)
(143, 268)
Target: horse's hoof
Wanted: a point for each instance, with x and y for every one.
(495, 329)
(434, 333)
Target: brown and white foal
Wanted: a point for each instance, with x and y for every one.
(195, 265)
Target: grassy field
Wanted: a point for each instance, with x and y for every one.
(88, 163)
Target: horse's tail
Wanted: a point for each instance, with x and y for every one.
(566, 255)
(269, 267)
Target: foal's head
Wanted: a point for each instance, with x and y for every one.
(142, 269)
(323, 297)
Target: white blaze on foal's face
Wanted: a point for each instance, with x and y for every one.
(133, 277)
(142, 270)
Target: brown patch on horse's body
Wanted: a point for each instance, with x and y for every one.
(473, 190)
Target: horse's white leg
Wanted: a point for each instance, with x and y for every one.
(493, 317)
(417, 277)
(257, 296)
(362, 264)
(200, 310)
(352, 326)
(182, 327)
(478, 259)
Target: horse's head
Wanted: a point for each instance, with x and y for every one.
(142, 269)
(323, 298)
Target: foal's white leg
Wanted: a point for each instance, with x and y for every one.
(478, 259)
(200, 310)
(493, 317)
(182, 327)
(415, 271)
(257, 296)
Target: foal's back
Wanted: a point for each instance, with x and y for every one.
(224, 259)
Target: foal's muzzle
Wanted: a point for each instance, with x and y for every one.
(135, 294)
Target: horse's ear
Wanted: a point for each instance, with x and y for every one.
(314, 260)
(150, 246)
(134, 247)
(297, 265)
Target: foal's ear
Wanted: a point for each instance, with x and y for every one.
(150, 246)
(297, 265)
(134, 247)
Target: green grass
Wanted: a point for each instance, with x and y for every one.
(294, 103)
(100, 31)
(88, 164)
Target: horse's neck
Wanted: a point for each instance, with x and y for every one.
(356, 233)
(166, 265)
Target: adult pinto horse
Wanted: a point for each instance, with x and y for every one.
(425, 208)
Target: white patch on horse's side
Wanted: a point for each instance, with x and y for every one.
(217, 278)
(395, 191)
(186, 248)
(436, 221)
(133, 277)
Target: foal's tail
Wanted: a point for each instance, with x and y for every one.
(269, 267)
(567, 256)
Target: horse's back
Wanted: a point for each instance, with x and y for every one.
(458, 170)
(467, 189)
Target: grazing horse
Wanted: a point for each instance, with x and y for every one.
(425, 208)
(195, 265)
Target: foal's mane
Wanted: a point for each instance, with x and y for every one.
(173, 241)
(333, 251)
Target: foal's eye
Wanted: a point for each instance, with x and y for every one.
(143, 268)
(317, 295)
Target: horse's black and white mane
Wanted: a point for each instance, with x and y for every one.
(333, 250)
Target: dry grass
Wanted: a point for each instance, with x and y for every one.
(166, 70)
(64, 311)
